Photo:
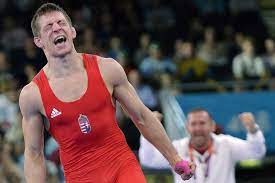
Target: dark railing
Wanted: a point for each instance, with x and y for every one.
(212, 85)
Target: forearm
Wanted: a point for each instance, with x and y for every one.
(154, 132)
(149, 156)
(34, 168)
(257, 144)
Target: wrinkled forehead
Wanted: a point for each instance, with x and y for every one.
(198, 116)
(50, 17)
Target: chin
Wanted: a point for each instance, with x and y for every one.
(199, 141)
(62, 53)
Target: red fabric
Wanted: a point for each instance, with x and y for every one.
(97, 156)
(131, 173)
(54, 157)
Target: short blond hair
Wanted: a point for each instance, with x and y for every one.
(44, 9)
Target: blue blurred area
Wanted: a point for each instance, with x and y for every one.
(225, 108)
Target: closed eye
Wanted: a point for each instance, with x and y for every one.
(48, 26)
(61, 22)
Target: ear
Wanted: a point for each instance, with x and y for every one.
(37, 42)
(73, 32)
(187, 127)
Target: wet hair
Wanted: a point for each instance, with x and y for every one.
(44, 9)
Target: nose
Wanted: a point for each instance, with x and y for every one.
(197, 128)
(56, 27)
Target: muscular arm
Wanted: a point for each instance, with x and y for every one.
(150, 157)
(143, 118)
(32, 124)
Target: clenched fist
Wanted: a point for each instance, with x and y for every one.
(248, 121)
(185, 169)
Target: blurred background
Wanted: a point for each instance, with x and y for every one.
(178, 54)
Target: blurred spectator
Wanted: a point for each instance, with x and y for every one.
(29, 56)
(178, 49)
(234, 46)
(269, 57)
(13, 36)
(155, 64)
(32, 55)
(145, 92)
(122, 59)
(115, 47)
(212, 53)
(8, 110)
(81, 18)
(269, 61)
(190, 68)
(196, 29)
(53, 159)
(142, 51)
(246, 65)
(88, 43)
(9, 118)
(5, 73)
(29, 72)
(215, 156)
(9, 170)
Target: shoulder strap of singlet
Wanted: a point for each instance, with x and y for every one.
(94, 73)
(41, 81)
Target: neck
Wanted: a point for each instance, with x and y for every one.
(202, 149)
(62, 66)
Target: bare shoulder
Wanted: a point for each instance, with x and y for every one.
(111, 70)
(29, 99)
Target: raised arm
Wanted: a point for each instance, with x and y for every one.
(32, 124)
(252, 148)
(143, 118)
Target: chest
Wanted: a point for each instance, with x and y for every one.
(82, 121)
(71, 87)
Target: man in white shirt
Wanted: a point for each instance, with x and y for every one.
(214, 155)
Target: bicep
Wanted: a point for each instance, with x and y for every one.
(33, 132)
(32, 122)
(122, 91)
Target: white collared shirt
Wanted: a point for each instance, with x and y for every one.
(227, 151)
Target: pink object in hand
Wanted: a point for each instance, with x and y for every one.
(182, 167)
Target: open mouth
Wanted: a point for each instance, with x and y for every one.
(59, 40)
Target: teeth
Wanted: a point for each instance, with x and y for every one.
(59, 39)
